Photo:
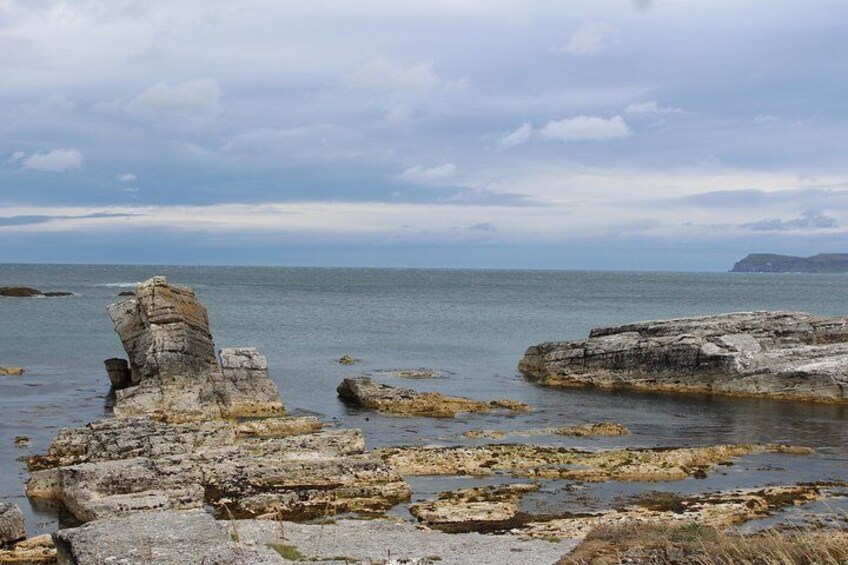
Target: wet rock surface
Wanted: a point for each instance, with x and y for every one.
(783, 355)
(365, 393)
(607, 429)
(536, 461)
(12, 371)
(27, 292)
(173, 368)
(478, 509)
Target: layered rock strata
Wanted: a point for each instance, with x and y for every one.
(783, 355)
(121, 466)
(173, 371)
(607, 429)
(365, 393)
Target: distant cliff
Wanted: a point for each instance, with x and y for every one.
(771, 263)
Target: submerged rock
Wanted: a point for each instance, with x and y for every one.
(583, 430)
(536, 461)
(12, 527)
(173, 368)
(12, 371)
(121, 466)
(784, 355)
(364, 392)
(27, 292)
(348, 360)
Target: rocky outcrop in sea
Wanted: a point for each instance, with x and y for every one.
(782, 355)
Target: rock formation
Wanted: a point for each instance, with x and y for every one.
(121, 466)
(173, 369)
(12, 371)
(583, 430)
(11, 524)
(785, 355)
(364, 392)
(27, 292)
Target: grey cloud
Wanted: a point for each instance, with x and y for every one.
(809, 220)
(482, 226)
(26, 220)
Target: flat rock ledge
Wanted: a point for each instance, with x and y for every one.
(603, 429)
(365, 393)
(12, 371)
(545, 462)
(173, 372)
(497, 509)
(780, 355)
(121, 466)
(27, 292)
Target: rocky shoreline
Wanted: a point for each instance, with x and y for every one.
(777, 355)
(201, 463)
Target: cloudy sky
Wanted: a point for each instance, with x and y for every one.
(611, 134)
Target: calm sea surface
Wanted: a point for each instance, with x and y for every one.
(471, 325)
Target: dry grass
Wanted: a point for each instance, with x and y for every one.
(698, 545)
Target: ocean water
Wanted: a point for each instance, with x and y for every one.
(472, 325)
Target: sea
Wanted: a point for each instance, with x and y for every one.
(471, 326)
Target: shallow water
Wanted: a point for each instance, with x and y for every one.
(473, 325)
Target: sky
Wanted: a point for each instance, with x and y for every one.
(545, 134)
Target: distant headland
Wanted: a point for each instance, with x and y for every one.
(773, 263)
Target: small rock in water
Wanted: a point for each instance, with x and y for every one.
(21, 441)
(27, 292)
(12, 371)
(348, 360)
(364, 392)
(126, 293)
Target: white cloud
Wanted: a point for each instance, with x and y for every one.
(16, 156)
(588, 39)
(126, 177)
(516, 137)
(650, 109)
(381, 74)
(766, 119)
(586, 128)
(429, 175)
(190, 98)
(55, 161)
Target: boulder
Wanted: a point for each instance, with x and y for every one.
(782, 355)
(19, 291)
(12, 371)
(164, 538)
(365, 393)
(119, 372)
(12, 527)
(27, 292)
(174, 372)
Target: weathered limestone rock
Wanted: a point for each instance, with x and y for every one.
(12, 371)
(38, 550)
(173, 368)
(119, 466)
(784, 355)
(164, 538)
(247, 389)
(535, 461)
(12, 527)
(393, 543)
(473, 510)
(583, 430)
(279, 427)
(364, 392)
(119, 372)
(719, 509)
